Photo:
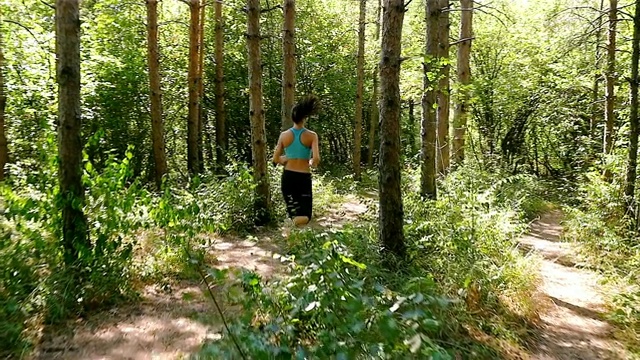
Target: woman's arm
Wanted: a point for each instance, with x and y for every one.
(315, 150)
(277, 154)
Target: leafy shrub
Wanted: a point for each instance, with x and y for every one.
(332, 306)
(339, 301)
(34, 281)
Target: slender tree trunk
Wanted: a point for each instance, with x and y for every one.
(221, 133)
(157, 127)
(4, 148)
(412, 127)
(461, 111)
(193, 124)
(595, 109)
(443, 88)
(375, 115)
(610, 80)
(391, 211)
(201, 124)
(289, 62)
(632, 160)
(74, 223)
(429, 99)
(357, 129)
(208, 146)
(256, 111)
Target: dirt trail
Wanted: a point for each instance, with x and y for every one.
(171, 324)
(572, 323)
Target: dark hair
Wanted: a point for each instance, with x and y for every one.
(308, 105)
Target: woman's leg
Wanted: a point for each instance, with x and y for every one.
(287, 187)
(305, 201)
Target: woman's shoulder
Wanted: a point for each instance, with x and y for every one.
(310, 132)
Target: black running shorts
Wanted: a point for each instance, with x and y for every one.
(296, 190)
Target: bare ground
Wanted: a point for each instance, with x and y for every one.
(171, 324)
(572, 322)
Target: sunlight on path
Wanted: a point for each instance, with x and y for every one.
(347, 212)
(572, 326)
(161, 326)
(173, 324)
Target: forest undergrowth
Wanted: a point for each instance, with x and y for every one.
(607, 239)
(464, 288)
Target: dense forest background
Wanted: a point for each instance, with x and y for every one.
(540, 113)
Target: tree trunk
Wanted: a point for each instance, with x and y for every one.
(357, 129)
(595, 112)
(461, 111)
(443, 88)
(157, 127)
(429, 99)
(193, 124)
(256, 112)
(412, 127)
(221, 133)
(610, 80)
(4, 148)
(74, 223)
(391, 212)
(289, 62)
(201, 123)
(375, 115)
(630, 183)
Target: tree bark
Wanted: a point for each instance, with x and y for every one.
(412, 127)
(391, 211)
(256, 112)
(375, 115)
(461, 111)
(429, 99)
(289, 62)
(193, 123)
(443, 88)
(221, 132)
(157, 127)
(595, 109)
(357, 128)
(201, 119)
(4, 148)
(632, 159)
(74, 223)
(610, 82)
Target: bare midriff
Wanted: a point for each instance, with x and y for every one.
(298, 165)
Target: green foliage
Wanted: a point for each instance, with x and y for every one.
(597, 223)
(332, 306)
(467, 238)
(339, 300)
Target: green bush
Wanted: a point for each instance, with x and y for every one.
(331, 306)
(339, 301)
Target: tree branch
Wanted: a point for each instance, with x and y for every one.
(461, 40)
(406, 5)
(47, 4)
(271, 9)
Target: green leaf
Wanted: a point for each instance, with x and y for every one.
(352, 262)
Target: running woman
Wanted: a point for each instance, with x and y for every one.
(300, 147)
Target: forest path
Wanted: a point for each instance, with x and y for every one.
(572, 322)
(171, 322)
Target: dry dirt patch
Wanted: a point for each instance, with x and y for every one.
(572, 322)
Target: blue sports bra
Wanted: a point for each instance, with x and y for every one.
(297, 150)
